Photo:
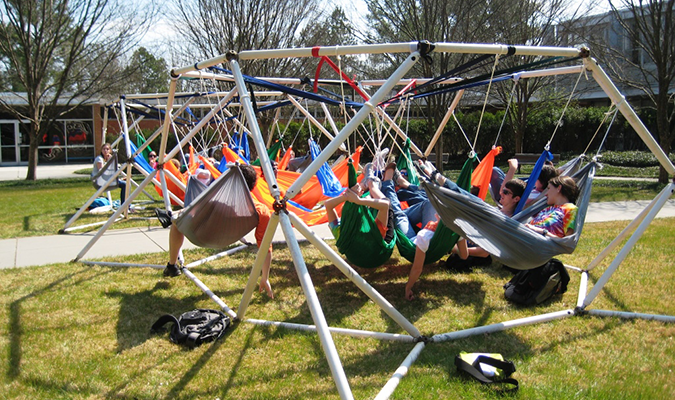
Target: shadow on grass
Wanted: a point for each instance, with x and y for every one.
(15, 326)
(139, 310)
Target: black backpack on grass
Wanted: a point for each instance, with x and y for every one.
(533, 286)
(194, 327)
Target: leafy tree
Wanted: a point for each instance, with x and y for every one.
(525, 22)
(148, 74)
(208, 28)
(649, 65)
(63, 53)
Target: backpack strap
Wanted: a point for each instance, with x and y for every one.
(474, 370)
(177, 335)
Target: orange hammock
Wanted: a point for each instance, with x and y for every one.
(171, 186)
(262, 194)
(481, 175)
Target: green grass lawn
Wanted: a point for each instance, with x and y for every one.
(70, 331)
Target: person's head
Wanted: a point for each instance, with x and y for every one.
(275, 169)
(547, 172)
(249, 176)
(106, 149)
(511, 193)
(152, 156)
(562, 189)
(203, 176)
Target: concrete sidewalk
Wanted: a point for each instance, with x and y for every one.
(13, 173)
(35, 251)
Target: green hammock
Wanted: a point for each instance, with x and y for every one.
(443, 239)
(404, 162)
(140, 141)
(360, 240)
(272, 152)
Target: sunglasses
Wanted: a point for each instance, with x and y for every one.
(507, 192)
(153, 156)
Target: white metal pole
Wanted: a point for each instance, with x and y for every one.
(351, 126)
(257, 265)
(354, 276)
(502, 326)
(313, 120)
(209, 293)
(256, 134)
(400, 372)
(444, 122)
(357, 333)
(627, 111)
(329, 117)
(623, 314)
(658, 204)
(215, 256)
(625, 233)
(168, 119)
(315, 310)
(117, 264)
(583, 288)
(114, 217)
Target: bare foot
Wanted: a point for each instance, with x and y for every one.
(267, 288)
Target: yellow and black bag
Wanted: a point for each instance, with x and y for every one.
(487, 368)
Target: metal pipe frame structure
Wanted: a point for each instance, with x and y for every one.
(287, 220)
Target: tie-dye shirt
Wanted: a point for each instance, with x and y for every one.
(557, 219)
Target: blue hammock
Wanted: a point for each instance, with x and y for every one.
(330, 184)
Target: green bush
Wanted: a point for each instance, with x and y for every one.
(636, 159)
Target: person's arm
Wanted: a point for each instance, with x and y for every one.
(331, 203)
(415, 272)
(513, 167)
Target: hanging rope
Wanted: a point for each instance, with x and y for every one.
(569, 100)
(487, 95)
(516, 79)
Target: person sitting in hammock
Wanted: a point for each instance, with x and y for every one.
(385, 218)
(176, 238)
(498, 178)
(511, 193)
(559, 218)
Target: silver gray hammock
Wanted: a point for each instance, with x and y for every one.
(508, 240)
(220, 214)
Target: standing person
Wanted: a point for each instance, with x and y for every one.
(176, 238)
(100, 161)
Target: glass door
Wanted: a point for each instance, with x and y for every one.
(9, 143)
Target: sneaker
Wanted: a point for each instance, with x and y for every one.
(171, 270)
(368, 175)
(164, 217)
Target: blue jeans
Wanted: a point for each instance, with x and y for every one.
(496, 181)
(402, 221)
(412, 195)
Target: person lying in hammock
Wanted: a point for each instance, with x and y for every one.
(511, 193)
(559, 218)
(421, 211)
(498, 179)
(176, 238)
(385, 218)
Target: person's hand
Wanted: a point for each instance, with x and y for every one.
(513, 163)
(409, 293)
(350, 195)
